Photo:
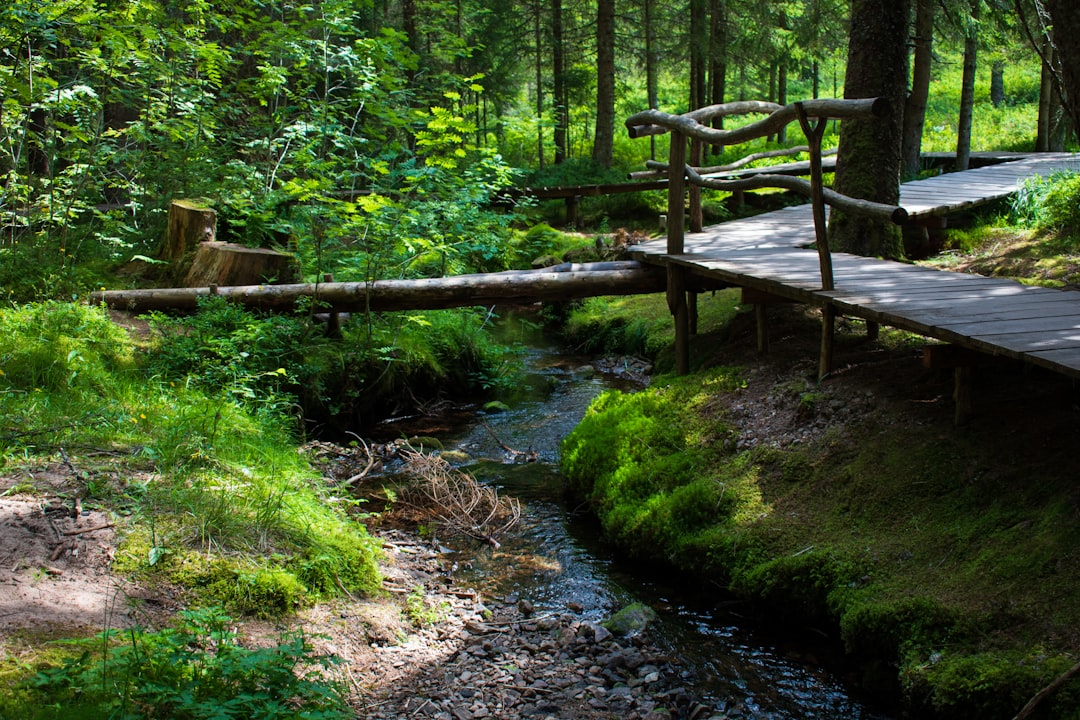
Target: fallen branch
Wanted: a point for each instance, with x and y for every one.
(529, 455)
(370, 464)
(83, 531)
(1050, 689)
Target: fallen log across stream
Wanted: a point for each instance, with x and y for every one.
(563, 282)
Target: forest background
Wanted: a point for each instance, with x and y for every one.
(371, 137)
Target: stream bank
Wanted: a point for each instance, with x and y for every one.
(699, 658)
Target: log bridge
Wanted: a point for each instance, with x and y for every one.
(767, 255)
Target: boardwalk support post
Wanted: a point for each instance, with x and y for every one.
(814, 133)
(676, 275)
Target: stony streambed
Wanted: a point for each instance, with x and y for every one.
(500, 657)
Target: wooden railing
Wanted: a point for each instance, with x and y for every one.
(812, 116)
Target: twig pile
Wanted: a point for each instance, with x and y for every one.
(456, 501)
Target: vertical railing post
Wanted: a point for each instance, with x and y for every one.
(676, 275)
(814, 134)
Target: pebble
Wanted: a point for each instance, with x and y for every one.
(512, 660)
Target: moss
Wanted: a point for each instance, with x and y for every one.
(988, 686)
(928, 551)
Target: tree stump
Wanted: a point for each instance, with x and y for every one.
(190, 223)
(228, 264)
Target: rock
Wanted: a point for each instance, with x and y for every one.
(631, 620)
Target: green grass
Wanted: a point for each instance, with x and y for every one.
(642, 324)
(934, 551)
(208, 481)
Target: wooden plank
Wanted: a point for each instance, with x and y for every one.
(1064, 358)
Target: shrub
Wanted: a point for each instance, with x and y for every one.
(195, 670)
(1050, 204)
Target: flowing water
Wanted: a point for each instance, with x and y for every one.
(554, 559)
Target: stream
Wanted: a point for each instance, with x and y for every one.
(557, 561)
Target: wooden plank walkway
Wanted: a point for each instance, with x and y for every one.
(996, 316)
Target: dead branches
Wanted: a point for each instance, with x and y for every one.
(456, 501)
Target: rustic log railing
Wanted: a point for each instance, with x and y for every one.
(811, 116)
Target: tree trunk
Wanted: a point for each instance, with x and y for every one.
(538, 39)
(604, 139)
(868, 165)
(1046, 100)
(997, 83)
(718, 62)
(699, 50)
(781, 96)
(651, 61)
(915, 106)
(967, 89)
(1065, 15)
(558, 73)
(426, 294)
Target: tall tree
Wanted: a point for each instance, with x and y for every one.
(915, 106)
(868, 165)
(604, 138)
(1065, 29)
(538, 46)
(699, 51)
(558, 77)
(967, 85)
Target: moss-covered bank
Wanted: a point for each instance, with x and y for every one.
(945, 557)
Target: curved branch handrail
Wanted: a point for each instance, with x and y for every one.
(881, 211)
(659, 169)
(656, 122)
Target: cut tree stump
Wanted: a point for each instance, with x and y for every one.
(190, 223)
(228, 264)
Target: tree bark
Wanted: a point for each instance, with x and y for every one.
(1065, 15)
(718, 62)
(915, 106)
(604, 139)
(425, 294)
(868, 165)
(651, 62)
(538, 40)
(219, 263)
(1046, 100)
(781, 96)
(699, 45)
(997, 83)
(558, 73)
(189, 224)
(967, 88)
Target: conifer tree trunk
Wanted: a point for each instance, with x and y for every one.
(604, 139)
(651, 81)
(718, 61)
(868, 165)
(967, 89)
(1065, 15)
(1046, 97)
(558, 73)
(915, 107)
(538, 40)
(997, 83)
(699, 44)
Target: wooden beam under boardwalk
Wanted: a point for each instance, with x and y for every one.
(525, 286)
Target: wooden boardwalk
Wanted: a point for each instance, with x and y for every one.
(770, 253)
